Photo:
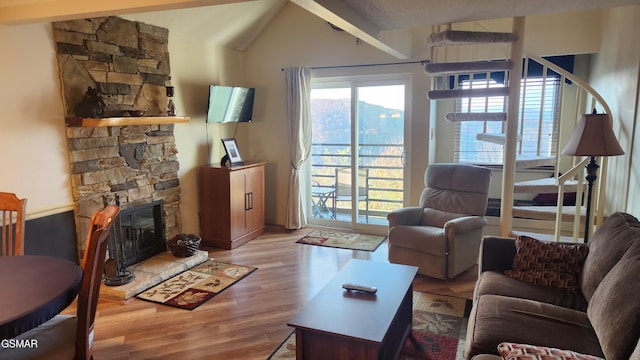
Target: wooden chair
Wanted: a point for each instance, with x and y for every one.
(66, 336)
(12, 234)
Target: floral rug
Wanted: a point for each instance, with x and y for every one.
(438, 332)
(194, 287)
(343, 240)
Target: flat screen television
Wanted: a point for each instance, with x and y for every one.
(230, 104)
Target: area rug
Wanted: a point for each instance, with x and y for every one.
(438, 332)
(343, 240)
(194, 287)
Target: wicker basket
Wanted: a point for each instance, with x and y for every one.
(184, 245)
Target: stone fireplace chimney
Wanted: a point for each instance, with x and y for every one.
(128, 63)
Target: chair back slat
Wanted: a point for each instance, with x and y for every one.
(93, 268)
(12, 214)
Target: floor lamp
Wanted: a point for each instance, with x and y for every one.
(593, 136)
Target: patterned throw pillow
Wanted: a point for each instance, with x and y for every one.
(548, 263)
(511, 351)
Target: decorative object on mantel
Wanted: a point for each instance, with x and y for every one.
(91, 105)
(171, 108)
(137, 113)
(184, 245)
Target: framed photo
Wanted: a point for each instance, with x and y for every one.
(233, 153)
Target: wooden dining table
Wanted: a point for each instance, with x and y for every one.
(34, 289)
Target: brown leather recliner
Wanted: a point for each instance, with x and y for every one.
(442, 236)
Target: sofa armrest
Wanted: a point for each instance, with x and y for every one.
(411, 215)
(496, 254)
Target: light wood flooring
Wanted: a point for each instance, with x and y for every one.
(249, 319)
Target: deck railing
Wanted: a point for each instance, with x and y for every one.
(385, 175)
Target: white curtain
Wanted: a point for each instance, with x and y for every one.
(298, 87)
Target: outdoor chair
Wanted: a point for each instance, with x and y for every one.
(343, 189)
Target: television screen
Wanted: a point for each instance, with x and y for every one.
(230, 104)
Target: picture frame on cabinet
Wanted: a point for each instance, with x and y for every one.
(233, 152)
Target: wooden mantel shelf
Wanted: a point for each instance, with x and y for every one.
(126, 121)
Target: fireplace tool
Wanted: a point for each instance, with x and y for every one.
(115, 268)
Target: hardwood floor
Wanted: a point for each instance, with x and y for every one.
(247, 320)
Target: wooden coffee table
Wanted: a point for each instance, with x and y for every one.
(341, 324)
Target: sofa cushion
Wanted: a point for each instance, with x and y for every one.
(614, 309)
(548, 264)
(497, 283)
(495, 319)
(606, 247)
(512, 351)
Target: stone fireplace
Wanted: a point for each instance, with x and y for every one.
(129, 165)
(134, 165)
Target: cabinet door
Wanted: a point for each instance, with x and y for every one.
(238, 203)
(255, 190)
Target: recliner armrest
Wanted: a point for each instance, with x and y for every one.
(496, 254)
(465, 223)
(411, 215)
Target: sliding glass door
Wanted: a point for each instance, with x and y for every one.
(357, 167)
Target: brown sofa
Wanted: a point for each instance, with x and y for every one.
(601, 317)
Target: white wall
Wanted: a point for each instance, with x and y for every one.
(32, 129)
(34, 162)
(297, 38)
(196, 63)
(615, 74)
(32, 126)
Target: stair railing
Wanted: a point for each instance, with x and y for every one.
(587, 99)
(586, 93)
(572, 173)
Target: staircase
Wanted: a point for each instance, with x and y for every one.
(503, 51)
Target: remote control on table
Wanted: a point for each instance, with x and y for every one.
(357, 287)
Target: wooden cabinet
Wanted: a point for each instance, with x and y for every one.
(231, 204)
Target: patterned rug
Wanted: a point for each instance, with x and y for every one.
(343, 240)
(194, 287)
(439, 329)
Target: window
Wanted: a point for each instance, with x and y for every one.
(357, 168)
(537, 126)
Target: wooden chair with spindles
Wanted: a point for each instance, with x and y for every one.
(67, 337)
(12, 212)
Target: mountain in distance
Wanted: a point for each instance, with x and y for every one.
(332, 123)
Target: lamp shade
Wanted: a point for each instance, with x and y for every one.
(593, 136)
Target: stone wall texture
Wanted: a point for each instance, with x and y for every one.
(128, 63)
(128, 166)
